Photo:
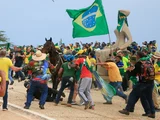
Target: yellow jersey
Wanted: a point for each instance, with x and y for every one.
(5, 64)
(93, 62)
(157, 69)
(113, 72)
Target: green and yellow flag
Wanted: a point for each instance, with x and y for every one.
(6, 45)
(89, 21)
(122, 18)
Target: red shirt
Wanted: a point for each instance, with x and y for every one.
(84, 72)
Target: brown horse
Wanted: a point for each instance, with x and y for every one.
(55, 59)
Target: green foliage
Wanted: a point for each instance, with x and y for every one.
(3, 38)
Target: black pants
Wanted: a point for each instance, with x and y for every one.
(146, 98)
(66, 83)
(144, 92)
(125, 80)
(19, 73)
(5, 98)
(95, 84)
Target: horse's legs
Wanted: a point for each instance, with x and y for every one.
(54, 82)
(57, 83)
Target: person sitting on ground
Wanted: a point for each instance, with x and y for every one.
(38, 80)
(51, 93)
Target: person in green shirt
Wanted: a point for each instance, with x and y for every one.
(68, 79)
(120, 65)
(125, 61)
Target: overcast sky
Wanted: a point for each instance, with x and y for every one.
(30, 21)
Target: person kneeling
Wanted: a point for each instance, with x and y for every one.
(38, 80)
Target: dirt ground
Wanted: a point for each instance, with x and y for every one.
(17, 96)
(10, 115)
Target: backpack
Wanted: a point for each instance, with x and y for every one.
(147, 70)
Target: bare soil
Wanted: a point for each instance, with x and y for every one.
(17, 96)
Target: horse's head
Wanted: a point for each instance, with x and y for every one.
(48, 46)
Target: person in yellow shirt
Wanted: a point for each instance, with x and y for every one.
(114, 77)
(93, 64)
(27, 55)
(157, 79)
(157, 70)
(5, 65)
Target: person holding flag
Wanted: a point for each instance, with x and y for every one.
(114, 77)
(85, 80)
(89, 21)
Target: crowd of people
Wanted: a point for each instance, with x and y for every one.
(137, 69)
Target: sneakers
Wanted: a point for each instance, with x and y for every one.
(91, 107)
(73, 103)
(55, 104)
(81, 104)
(145, 115)
(151, 115)
(12, 82)
(41, 106)
(157, 109)
(21, 79)
(87, 104)
(61, 99)
(96, 89)
(125, 112)
(26, 107)
(109, 103)
(4, 109)
(69, 105)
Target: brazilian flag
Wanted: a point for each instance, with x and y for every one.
(122, 18)
(89, 21)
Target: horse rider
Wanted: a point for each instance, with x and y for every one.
(38, 80)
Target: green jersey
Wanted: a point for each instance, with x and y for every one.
(67, 70)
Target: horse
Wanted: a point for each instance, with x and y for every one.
(56, 59)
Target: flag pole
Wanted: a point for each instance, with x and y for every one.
(110, 45)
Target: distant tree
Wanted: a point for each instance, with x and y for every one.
(3, 38)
